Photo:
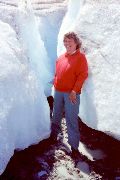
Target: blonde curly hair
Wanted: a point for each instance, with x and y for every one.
(72, 35)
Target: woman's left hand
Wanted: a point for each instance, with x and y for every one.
(73, 97)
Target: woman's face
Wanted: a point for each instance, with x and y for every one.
(70, 45)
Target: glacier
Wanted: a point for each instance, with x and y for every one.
(24, 110)
(96, 23)
(22, 99)
(99, 22)
(31, 36)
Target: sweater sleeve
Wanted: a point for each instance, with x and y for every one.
(81, 73)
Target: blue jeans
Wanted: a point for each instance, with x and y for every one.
(62, 102)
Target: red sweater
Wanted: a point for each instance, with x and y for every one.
(71, 72)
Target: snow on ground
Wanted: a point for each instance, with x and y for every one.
(48, 160)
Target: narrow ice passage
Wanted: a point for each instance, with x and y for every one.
(30, 44)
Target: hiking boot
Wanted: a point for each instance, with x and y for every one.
(53, 138)
(75, 154)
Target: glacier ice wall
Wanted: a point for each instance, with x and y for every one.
(25, 68)
(99, 30)
(24, 111)
(97, 25)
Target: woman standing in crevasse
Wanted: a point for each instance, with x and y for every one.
(70, 73)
